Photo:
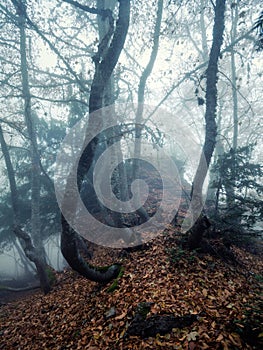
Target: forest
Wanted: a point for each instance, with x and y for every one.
(131, 211)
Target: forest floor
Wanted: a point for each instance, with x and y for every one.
(79, 314)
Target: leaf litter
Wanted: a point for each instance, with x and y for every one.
(79, 314)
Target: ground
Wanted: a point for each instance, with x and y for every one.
(79, 314)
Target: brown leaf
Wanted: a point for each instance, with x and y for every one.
(120, 317)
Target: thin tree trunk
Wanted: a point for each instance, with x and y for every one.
(27, 268)
(230, 191)
(25, 239)
(196, 233)
(141, 97)
(35, 159)
(32, 254)
(203, 30)
(212, 192)
(234, 18)
(120, 179)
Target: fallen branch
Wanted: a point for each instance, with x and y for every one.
(145, 327)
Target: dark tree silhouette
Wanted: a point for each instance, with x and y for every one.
(196, 233)
(105, 61)
(259, 27)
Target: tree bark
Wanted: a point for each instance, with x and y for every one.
(25, 239)
(141, 97)
(120, 178)
(105, 61)
(71, 253)
(212, 192)
(32, 254)
(196, 233)
(230, 191)
(35, 159)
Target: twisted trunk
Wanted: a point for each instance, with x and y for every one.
(105, 61)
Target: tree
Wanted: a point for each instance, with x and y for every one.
(197, 230)
(105, 61)
(141, 100)
(32, 244)
(62, 85)
(236, 170)
(20, 7)
(259, 27)
(237, 116)
(30, 251)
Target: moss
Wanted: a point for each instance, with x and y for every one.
(143, 309)
(259, 278)
(115, 284)
(105, 268)
(121, 272)
(51, 275)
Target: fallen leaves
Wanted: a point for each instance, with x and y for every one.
(204, 292)
(79, 315)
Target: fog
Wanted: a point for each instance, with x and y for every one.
(12, 268)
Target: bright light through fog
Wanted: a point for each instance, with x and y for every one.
(46, 59)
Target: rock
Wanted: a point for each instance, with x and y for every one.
(110, 313)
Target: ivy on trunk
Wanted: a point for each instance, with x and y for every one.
(196, 233)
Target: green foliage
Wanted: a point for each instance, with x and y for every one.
(259, 278)
(50, 135)
(239, 188)
(51, 276)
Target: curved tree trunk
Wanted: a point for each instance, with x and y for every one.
(25, 239)
(196, 233)
(71, 252)
(120, 178)
(105, 61)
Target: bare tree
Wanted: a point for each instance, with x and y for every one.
(141, 99)
(30, 124)
(30, 251)
(196, 232)
(105, 60)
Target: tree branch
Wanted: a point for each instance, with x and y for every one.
(200, 66)
(103, 13)
(54, 49)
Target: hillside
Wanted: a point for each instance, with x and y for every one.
(79, 314)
